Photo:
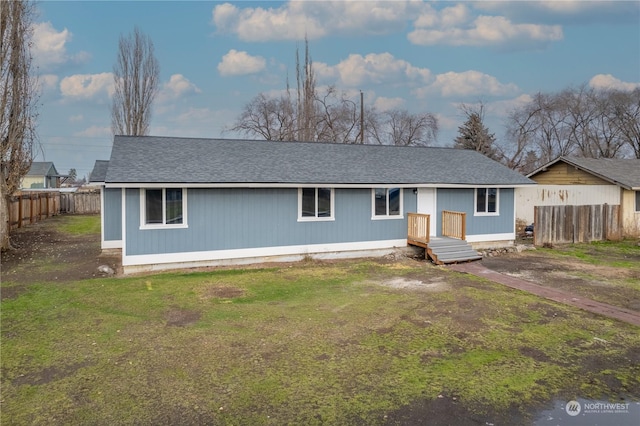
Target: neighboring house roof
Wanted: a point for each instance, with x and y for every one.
(42, 168)
(99, 172)
(621, 172)
(149, 159)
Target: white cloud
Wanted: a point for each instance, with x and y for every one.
(49, 46)
(240, 63)
(87, 86)
(447, 122)
(94, 131)
(76, 118)
(504, 107)
(295, 20)
(468, 83)
(386, 104)
(194, 122)
(378, 68)
(177, 87)
(607, 81)
(48, 82)
(457, 26)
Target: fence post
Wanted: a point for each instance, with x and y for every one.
(20, 212)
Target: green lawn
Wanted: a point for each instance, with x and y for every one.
(312, 343)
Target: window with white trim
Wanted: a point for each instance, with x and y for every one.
(487, 201)
(386, 203)
(637, 201)
(163, 208)
(315, 204)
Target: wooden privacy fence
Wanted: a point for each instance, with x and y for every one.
(454, 224)
(27, 207)
(576, 224)
(31, 206)
(85, 202)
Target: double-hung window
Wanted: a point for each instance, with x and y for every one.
(487, 201)
(163, 208)
(387, 203)
(315, 204)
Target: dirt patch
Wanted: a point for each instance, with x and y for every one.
(597, 282)
(41, 253)
(222, 291)
(49, 374)
(181, 317)
(448, 410)
(433, 284)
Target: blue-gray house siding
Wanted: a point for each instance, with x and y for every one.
(112, 214)
(243, 218)
(462, 200)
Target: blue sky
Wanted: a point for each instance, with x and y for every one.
(421, 56)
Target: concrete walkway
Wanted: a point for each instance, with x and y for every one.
(622, 314)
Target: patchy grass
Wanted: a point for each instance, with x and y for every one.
(617, 254)
(607, 271)
(316, 343)
(79, 225)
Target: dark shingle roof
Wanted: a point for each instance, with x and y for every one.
(622, 172)
(42, 168)
(149, 159)
(99, 172)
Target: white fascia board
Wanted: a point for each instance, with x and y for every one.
(307, 185)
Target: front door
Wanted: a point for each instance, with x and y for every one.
(427, 205)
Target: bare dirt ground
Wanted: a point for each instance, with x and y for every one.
(603, 283)
(41, 253)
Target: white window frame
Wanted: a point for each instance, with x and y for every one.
(637, 201)
(386, 216)
(316, 218)
(486, 203)
(163, 225)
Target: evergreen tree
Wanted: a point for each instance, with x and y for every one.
(473, 134)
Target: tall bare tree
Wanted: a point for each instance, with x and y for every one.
(327, 114)
(627, 118)
(136, 74)
(400, 127)
(306, 85)
(18, 103)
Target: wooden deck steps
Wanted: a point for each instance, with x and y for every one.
(444, 250)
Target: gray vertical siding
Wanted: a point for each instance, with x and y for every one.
(236, 218)
(462, 199)
(112, 214)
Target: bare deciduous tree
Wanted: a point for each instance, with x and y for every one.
(136, 76)
(18, 101)
(401, 128)
(627, 118)
(329, 115)
(576, 121)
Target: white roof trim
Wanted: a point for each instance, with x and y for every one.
(304, 185)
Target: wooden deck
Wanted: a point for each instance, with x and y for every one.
(441, 250)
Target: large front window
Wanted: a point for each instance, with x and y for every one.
(315, 204)
(387, 203)
(163, 207)
(487, 201)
